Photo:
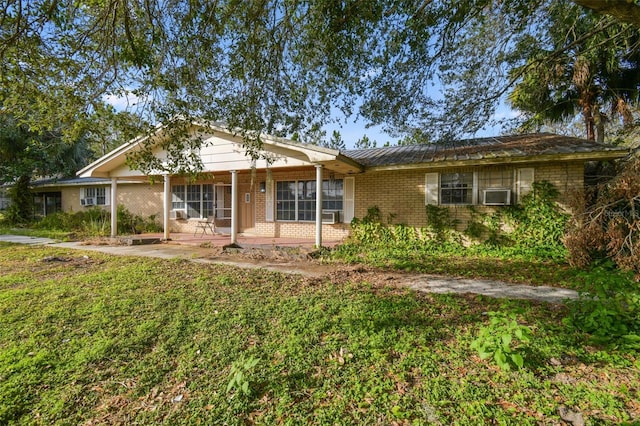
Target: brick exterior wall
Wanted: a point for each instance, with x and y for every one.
(142, 199)
(399, 194)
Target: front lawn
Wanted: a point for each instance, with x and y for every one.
(87, 338)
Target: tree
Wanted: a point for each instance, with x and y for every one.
(335, 142)
(274, 66)
(25, 154)
(585, 65)
(365, 143)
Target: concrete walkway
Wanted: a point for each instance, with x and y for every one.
(418, 282)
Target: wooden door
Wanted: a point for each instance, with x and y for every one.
(246, 207)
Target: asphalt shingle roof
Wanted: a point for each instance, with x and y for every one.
(479, 149)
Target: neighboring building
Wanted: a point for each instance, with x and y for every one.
(278, 197)
(76, 194)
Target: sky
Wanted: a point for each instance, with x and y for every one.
(351, 130)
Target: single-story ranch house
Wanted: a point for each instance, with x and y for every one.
(282, 197)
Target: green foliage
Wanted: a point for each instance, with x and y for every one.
(537, 231)
(556, 88)
(289, 74)
(96, 222)
(239, 375)
(98, 339)
(608, 308)
(439, 223)
(20, 211)
(497, 340)
(538, 224)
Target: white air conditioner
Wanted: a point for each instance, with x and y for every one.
(330, 217)
(496, 197)
(176, 214)
(88, 201)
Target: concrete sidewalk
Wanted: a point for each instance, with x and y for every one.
(418, 282)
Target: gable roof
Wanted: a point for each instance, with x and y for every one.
(492, 150)
(272, 146)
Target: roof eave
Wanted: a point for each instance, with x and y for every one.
(587, 156)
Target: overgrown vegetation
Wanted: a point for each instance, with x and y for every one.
(93, 222)
(107, 340)
(607, 226)
(529, 235)
(608, 309)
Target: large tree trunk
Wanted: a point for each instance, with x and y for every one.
(598, 120)
(587, 114)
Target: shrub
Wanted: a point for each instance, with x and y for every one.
(538, 225)
(96, 222)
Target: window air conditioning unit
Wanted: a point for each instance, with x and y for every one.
(496, 197)
(88, 201)
(176, 214)
(330, 217)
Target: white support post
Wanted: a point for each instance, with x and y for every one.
(234, 207)
(318, 205)
(114, 207)
(167, 207)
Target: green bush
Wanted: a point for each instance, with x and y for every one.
(608, 307)
(96, 222)
(537, 222)
(537, 229)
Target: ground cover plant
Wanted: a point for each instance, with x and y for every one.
(93, 222)
(87, 338)
(520, 243)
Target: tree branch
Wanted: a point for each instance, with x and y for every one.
(626, 11)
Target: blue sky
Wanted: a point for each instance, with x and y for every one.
(353, 131)
(350, 130)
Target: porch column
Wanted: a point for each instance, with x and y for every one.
(114, 207)
(167, 206)
(318, 205)
(234, 206)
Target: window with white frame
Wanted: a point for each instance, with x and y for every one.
(296, 200)
(94, 196)
(488, 186)
(196, 200)
(177, 197)
(456, 188)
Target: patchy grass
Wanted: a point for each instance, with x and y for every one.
(498, 264)
(90, 339)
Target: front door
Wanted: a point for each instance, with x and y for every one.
(246, 208)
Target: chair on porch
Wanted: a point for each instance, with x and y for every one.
(206, 224)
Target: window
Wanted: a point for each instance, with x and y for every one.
(296, 200)
(487, 186)
(456, 188)
(286, 200)
(94, 196)
(177, 197)
(196, 200)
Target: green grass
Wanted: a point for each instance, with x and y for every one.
(139, 341)
(499, 264)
